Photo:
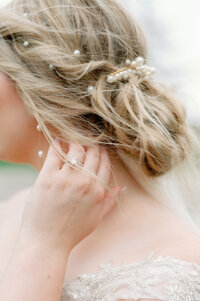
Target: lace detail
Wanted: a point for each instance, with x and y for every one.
(164, 278)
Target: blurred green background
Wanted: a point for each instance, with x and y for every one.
(14, 177)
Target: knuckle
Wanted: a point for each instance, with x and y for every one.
(85, 184)
(81, 149)
(99, 192)
(61, 182)
(76, 149)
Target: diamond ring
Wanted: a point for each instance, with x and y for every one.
(74, 162)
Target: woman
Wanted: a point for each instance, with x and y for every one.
(59, 61)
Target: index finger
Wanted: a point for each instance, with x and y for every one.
(104, 171)
(52, 161)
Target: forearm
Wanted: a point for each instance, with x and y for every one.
(35, 272)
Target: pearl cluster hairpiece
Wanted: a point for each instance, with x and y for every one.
(136, 67)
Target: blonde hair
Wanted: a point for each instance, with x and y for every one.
(144, 124)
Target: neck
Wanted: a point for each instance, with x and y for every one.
(134, 204)
(133, 192)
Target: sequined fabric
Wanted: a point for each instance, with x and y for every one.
(163, 278)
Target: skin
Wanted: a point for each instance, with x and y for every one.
(145, 217)
(18, 134)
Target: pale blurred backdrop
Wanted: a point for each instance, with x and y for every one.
(172, 29)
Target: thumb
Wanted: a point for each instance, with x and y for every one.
(110, 200)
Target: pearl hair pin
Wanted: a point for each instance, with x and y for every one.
(26, 43)
(136, 67)
(72, 161)
(90, 89)
(77, 52)
(38, 128)
(40, 152)
(51, 66)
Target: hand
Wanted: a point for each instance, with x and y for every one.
(65, 204)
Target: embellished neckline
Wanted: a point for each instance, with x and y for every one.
(108, 266)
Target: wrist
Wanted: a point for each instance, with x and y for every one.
(25, 242)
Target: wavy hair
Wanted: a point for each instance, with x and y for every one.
(143, 123)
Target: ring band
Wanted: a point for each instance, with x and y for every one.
(74, 162)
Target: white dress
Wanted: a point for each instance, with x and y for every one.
(162, 278)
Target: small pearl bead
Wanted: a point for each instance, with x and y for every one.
(25, 14)
(125, 76)
(153, 70)
(40, 153)
(90, 89)
(139, 61)
(133, 63)
(51, 66)
(145, 68)
(110, 79)
(38, 128)
(128, 62)
(77, 52)
(26, 43)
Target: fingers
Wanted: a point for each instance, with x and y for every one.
(77, 152)
(52, 162)
(92, 159)
(104, 171)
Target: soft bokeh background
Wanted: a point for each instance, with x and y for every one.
(172, 29)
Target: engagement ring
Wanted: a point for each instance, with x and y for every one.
(74, 162)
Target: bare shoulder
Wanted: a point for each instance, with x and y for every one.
(19, 197)
(14, 204)
(180, 239)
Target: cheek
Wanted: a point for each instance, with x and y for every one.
(15, 130)
(12, 111)
(16, 124)
(12, 120)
